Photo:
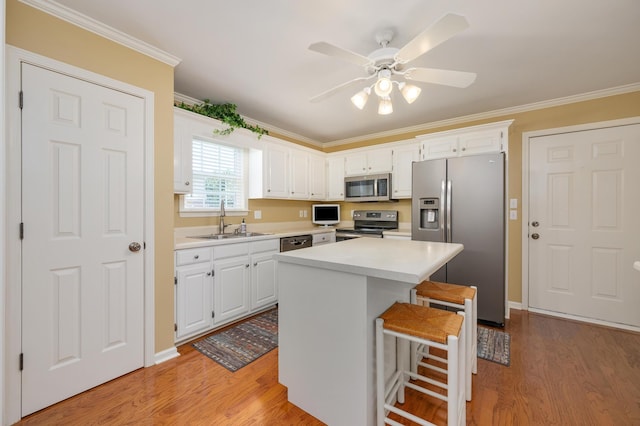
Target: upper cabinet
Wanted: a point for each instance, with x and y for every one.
(481, 139)
(368, 161)
(181, 156)
(335, 178)
(403, 157)
(317, 177)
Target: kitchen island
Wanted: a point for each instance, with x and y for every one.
(329, 297)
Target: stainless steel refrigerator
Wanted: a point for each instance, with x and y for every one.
(462, 200)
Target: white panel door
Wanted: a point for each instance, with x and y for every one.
(194, 298)
(584, 210)
(82, 206)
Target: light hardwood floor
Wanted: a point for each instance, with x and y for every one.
(562, 373)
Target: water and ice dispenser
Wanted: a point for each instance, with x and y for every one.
(429, 213)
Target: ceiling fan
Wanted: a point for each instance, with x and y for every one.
(387, 62)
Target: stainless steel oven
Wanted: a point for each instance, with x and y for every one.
(369, 224)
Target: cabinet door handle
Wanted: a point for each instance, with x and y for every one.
(197, 256)
(255, 264)
(208, 274)
(247, 265)
(187, 183)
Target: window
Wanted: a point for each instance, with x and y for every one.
(218, 174)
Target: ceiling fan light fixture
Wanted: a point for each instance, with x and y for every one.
(409, 92)
(360, 98)
(385, 107)
(384, 85)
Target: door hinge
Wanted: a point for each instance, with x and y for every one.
(144, 245)
(175, 327)
(21, 361)
(22, 230)
(213, 314)
(213, 273)
(20, 99)
(175, 280)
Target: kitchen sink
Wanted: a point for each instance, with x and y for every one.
(228, 236)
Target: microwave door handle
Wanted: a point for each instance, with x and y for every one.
(449, 211)
(375, 187)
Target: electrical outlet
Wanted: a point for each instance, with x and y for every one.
(513, 203)
(301, 213)
(257, 214)
(305, 213)
(513, 214)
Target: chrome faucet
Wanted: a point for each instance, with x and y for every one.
(222, 225)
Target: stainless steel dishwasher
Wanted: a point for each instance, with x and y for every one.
(295, 243)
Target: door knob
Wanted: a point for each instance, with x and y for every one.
(535, 223)
(535, 236)
(134, 246)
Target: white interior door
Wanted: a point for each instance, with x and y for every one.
(584, 210)
(82, 207)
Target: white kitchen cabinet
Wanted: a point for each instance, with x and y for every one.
(276, 171)
(193, 292)
(182, 168)
(335, 178)
(231, 281)
(473, 140)
(317, 177)
(299, 174)
(368, 161)
(264, 287)
(403, 157)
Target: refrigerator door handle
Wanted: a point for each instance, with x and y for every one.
(448, 239)
(443, 218)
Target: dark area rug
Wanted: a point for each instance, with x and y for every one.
(494, 345)
(235, 347)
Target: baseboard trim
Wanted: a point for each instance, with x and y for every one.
(166, 355)
(514, 305)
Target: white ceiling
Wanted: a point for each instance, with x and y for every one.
(254, 53)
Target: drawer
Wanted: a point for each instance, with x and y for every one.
(265, 245)
(326, 237)
(196, 255)
(230, 250)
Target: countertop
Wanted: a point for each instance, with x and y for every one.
(400, 260)
(182, 240)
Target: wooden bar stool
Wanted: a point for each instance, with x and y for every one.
(424, 326)
(456, 296)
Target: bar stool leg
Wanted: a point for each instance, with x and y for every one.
(380, 382)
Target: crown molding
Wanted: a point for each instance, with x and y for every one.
(96, 27)
(179, 97)
(619, 90)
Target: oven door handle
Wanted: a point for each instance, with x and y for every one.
(347, 235)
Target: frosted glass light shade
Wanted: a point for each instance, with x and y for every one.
(384, 85)
(385, 107)
(360, 98)
(410, 92)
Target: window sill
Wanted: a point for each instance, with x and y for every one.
(212, 213)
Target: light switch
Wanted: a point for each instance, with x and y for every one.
(513, 214)
(513, 203)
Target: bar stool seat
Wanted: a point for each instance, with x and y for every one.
(456, 296)
(427, 326)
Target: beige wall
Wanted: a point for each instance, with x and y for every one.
(29, 29)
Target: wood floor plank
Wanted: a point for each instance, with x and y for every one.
(562, 373)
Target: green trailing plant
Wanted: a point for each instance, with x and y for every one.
(224, 112)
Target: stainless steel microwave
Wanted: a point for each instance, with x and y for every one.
(368, 188)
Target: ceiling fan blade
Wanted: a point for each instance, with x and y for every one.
(336, 89)
(445, 77)
(442, 30)
(339, 52)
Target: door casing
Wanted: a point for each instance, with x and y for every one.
(526, 138)
(15, 56)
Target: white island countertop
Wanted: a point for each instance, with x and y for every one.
(399, 260)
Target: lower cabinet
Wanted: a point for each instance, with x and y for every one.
(220, 284)
(193, 292)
